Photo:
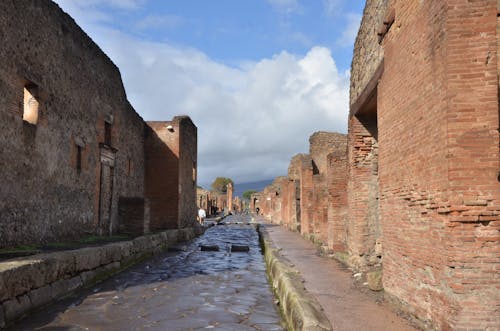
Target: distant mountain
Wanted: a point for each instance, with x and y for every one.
(240, 188)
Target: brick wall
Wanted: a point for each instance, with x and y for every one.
(363, 228)
(188, 159)
(50, 180)
(294, 170)
(161, 187)
(229, 193)
(306, 195)
(320, 145)
(255, 201)
(303, 198)
(170, 183)
(337, 200)
(434, 128)
(134, 216)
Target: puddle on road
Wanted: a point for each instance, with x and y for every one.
(188, 289)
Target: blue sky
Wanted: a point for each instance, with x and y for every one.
(257, 77)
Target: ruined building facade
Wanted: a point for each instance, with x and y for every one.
(170, 177)
(420, 194)
(303, 200)
(73, 158)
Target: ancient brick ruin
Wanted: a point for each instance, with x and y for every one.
(411, 193)
(170, 162)
(215, 202)
(76, 158)
(416, 197)
(303, 200)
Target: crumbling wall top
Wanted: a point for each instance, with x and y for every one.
(368, 53)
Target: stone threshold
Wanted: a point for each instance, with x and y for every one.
(300, 309)
(31, 282)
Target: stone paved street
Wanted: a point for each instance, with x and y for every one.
(187, 289)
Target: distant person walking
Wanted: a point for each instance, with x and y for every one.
(201, 215)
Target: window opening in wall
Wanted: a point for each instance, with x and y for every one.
(78, 159)
(31, 104)
(107, 133)
(129, 166)
(315, 168)
(194, 172)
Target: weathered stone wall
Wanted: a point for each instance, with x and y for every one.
(161, 151)
(306, 195)
(368, 53)
(337, 200)
(320, 145)
(422, 164)
(283, 198)
(269, 204)
(363, 229)
(323, 143)
(205, 200)
(31, 282)
(294, 173)
(291, 213)
(134, 216)
(303, 197)
(170, 183)
(188, 159)
(50, 182)
(431, 142)
(255, 202)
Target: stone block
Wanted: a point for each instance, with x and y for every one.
(240, 248)
(125, 248)
(374, 279)
(19, 277)
(111, 253)
(112, 267)
(209, 248)
(140, 244)
(49, 268)
(40, 296)
(66, 264)
(88, 276)
(190, 233)
(172, 236)
(16, 307)
(87, 258)
(65, 286)
(154, 240)
(164, 236)
(3, 289)
(2, 317)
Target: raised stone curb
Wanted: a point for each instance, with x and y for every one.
(31, 282)
(301, 310)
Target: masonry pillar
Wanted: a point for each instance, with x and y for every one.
(229, 193)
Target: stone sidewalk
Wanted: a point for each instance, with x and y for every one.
(346, 306)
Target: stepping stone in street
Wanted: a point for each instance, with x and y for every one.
(209, 248)
(239, 248)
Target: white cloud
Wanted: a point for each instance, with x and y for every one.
(251, 118)
(285, 6)
(86, 12)
(332, 7)
(351, 30)
(159, 21)
(123, 4)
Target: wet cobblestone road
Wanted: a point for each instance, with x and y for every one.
(185, 290)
